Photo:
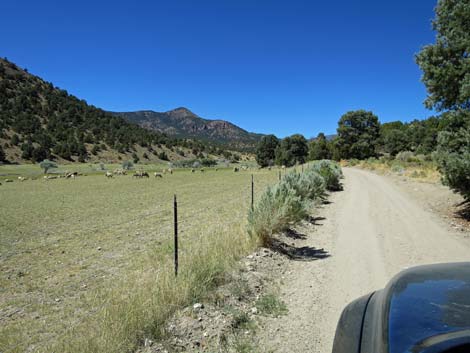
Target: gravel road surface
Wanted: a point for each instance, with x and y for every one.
(371, 230)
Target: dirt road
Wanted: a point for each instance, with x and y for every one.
(372, 230)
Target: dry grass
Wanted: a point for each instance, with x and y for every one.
(425, 172)
(86, 264)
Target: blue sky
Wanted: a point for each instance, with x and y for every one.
(269, 66)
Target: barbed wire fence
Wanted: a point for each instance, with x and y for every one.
(175, 221)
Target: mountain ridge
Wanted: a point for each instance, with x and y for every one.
(183, 123)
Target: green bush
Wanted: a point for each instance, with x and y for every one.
(331, 173)
(278, 207)
(308, 185)
(289, 201)
(126, 165)
(453, 157)
(406, 156)
(208, 162)
(163, 156)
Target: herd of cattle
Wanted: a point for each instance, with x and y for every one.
(117, 172)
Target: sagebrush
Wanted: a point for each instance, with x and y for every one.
(291, 199)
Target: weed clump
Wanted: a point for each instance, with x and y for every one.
(270, 304)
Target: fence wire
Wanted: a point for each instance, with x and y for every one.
(223, 207)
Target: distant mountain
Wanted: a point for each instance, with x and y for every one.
(39, 120)
(183, 123)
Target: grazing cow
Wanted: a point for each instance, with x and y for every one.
(158, 175)
(20, 178)
(8, 180)
(192, 171)
(216, 169)
(283, 167)
(170, 170)
(236, 169)
(202, 170)
(244, 167)
(108, 175)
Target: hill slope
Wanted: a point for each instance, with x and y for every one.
(183, 123)
(38, 121)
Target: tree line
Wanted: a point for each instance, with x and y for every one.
(360, 135)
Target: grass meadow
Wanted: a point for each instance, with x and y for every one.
(86, 264)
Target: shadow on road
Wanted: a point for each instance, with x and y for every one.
(294, 234)
(463, 211)
(315, 220)
(303, 253)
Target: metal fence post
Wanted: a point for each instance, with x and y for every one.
(175, 214)
(252, 192)
(279, 175)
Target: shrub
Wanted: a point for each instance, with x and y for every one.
(95, 150)
(331, 173)
(288, 202)
(208, 162)
(352, 162)
(127, 165)
(135, 158)
(385, 158)
(163, 156)
(308, 185)
(453, 157)
(405, 156)
(2, 155)
(278, 207)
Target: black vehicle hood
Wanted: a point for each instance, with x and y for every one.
(428, 305)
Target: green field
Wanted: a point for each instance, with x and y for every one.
(86, 264)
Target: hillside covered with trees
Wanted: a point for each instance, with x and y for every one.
(40, 121)
(183, 123)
